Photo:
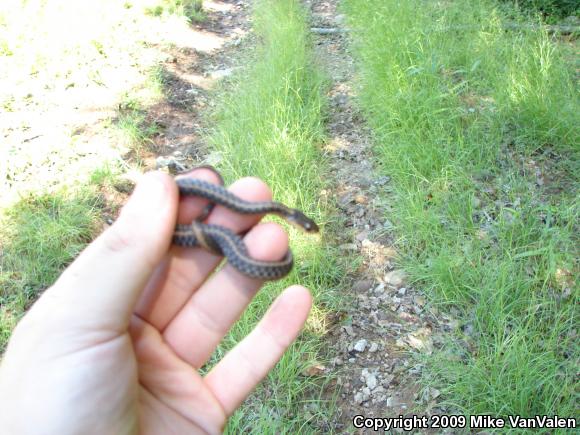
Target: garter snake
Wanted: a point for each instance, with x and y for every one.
(224, 242)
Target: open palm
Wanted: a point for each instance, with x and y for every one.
(116, 344)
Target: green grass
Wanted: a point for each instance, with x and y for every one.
(550, 8)
(190, 9)
(41, 235)
(479, 129)
(269, 125)
(132, 126)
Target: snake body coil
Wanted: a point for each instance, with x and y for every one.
(222, 241)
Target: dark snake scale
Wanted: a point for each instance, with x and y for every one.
(223, 241)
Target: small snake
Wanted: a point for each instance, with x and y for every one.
(224, 242)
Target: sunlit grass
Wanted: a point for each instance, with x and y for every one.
(191, 9)
(479, 129)
(40, 236)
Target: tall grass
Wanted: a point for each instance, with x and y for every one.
(465, 116)
(269, 125)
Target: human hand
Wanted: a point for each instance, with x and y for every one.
(114, 346)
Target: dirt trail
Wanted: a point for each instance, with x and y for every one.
(388, 319)
(190, 73)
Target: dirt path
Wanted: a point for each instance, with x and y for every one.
(190, 73)
(388, 317)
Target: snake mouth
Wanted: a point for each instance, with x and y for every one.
(311, 227)
(302, 221)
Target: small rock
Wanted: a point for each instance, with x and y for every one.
(360, 199)
(380, 289)
(395, 277)
(360, 345)
(344, 199)
(362, 396)
(362, 236)
(372, 381)
(402, 291)
(366, 243)
(348, 247)
(381, 181)
(221, 73)
(362, 285)
(374, 347)
(348, 329)
(341, 99)
(378, 390)
(388, 225)
(421, 340)
(315, 369)
(213, 159)
(468, 329)
(387, 380)
(420, 300)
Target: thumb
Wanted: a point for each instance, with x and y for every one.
(100, 288)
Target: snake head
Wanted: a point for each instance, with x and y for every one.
(300, 219)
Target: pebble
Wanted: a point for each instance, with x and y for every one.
(420, 300)
(362, 285)
(221, 73)
(394, 401)
(362, 236)
(360, 345)
(362, 396)
(395, 277)
(381, 181)
(374, 347)
(380, 289)
(360, 199)
(348, 329)
(372, 381)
